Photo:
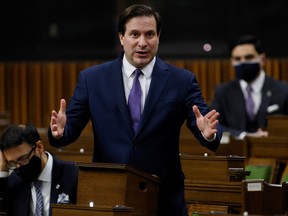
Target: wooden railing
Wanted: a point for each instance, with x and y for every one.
(30, 90)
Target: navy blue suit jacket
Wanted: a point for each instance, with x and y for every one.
(99, 96)
(230, 103)
(17, 193)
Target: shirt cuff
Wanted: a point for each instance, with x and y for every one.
(209, 140)
(4, 174)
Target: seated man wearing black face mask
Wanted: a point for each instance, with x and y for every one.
(23, 161)
(245, 102)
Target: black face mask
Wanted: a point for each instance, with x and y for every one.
(247, 71)
(29, 172)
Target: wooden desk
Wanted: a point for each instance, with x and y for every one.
(214, 193)
(68, 210)
(72, 155)
(117, 184)
(260, 197)
(268, 147)
(213, 168)
(214, 180)
(81, 150)
(188, 144)
(277, 125)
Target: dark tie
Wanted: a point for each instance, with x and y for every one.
(39, 198)
(250, 103)
(134, 100)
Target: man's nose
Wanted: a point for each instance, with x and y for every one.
(142, 41)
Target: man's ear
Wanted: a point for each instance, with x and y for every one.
(120, 38)
(40, 146)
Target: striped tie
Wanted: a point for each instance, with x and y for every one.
(39, 198)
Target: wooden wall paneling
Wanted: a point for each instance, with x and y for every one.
(31, 90)
(203, 79)
(35, 105)
(52, 88)
(23, 90)
(272, 68)
(268, 67)
(45, 95)
(13, 92)
(177, 62)
(198, 68)
(231, 72)
(276, 69)
(284, 69)
(213, 77)
(70, 75)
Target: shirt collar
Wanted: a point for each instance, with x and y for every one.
(46, 173)
(257, 84)
(129, 69)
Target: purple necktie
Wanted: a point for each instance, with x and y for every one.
(249, 103)
(134, 100)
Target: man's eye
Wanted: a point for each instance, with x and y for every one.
(23, 158)
(150, 34)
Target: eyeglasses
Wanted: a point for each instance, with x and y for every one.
(25, 159)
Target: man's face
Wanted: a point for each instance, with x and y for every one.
(140, 41)
(245, 53)
(19, 155)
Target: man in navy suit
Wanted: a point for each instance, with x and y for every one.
(269, 96)
(169, 96)
(22, 152)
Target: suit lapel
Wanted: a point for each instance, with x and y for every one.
(160, 75)
(159, 78)
(237, 98)
(22, 200)
(55, 184)
(266, 97)
(114, 77)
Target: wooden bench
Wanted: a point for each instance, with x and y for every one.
(76, 210)
(214, 180)
(262, 198)
(81, 150)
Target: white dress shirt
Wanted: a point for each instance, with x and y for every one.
(145, 79)
(257, 86)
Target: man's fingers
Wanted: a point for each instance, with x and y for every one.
(196, 111)
(211, 114)
(62, 106)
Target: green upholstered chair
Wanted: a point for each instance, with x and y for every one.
(259, 172)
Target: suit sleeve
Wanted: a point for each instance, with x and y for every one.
(194, 97)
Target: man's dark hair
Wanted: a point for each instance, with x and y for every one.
(15, 135)
(247, 39)
(137, 10)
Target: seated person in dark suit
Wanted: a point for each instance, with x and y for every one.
(24, 160)
(231, 100)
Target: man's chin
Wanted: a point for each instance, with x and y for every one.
(142, 62)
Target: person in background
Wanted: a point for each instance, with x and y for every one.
(148, 138)
(245, 102)
(23, 160)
